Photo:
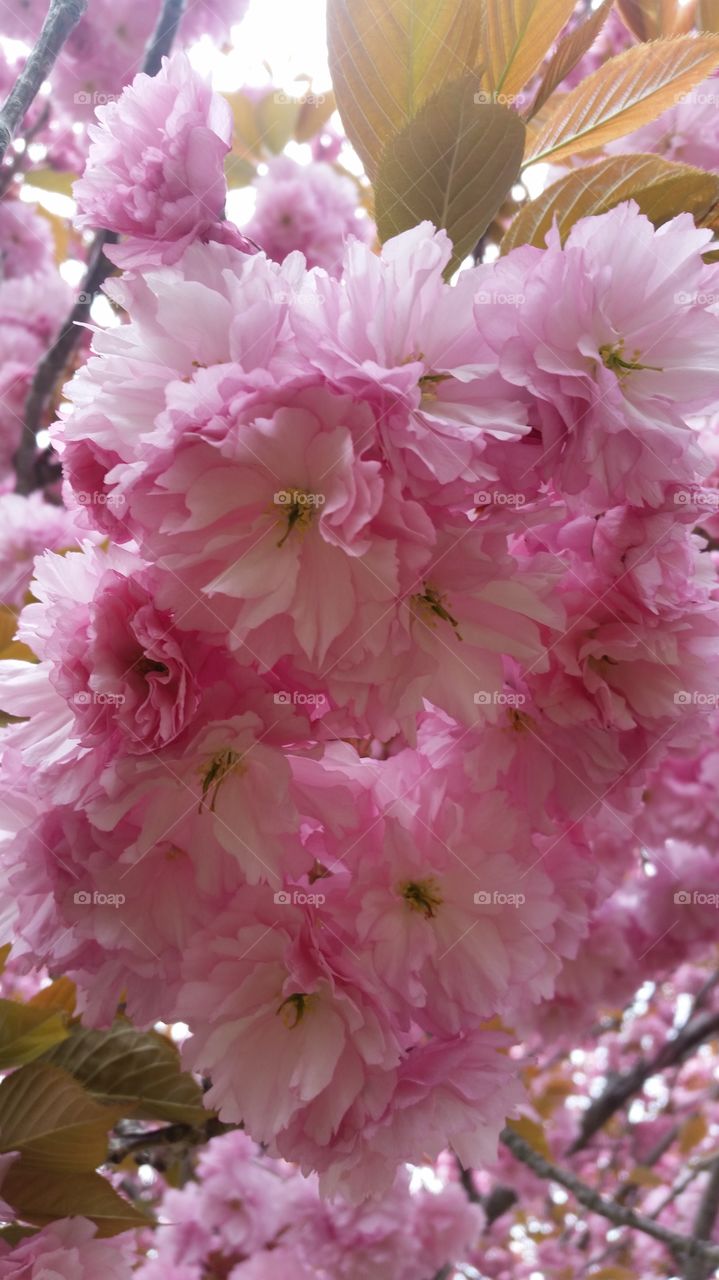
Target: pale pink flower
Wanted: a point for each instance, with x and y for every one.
(68, 1250)
(155, 165)
(310, 207)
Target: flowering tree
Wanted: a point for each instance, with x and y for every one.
(360, 662)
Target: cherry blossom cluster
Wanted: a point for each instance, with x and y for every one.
(252, 1218)
(340, 728)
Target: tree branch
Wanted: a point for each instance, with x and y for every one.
(623, 1087)
(151, 1141)
(621, 1216)
(163, 36)
(699, 1268)
(52, 367)
(62, 16)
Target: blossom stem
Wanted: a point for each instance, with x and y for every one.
(62, 16)
(29, 470)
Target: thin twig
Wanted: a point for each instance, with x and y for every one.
(54, 363)
(62, 16)
(621, 1216)
(621, 1088)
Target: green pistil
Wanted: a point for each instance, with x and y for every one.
(432, 601)
(422, 895)
(297, 512)
(220, 767)
(613, 359)
(430, 382)
(292, 1010)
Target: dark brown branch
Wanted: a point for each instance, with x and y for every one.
(623, 1087)
(54, 362)
(700, 1268)
(163, 36)
(159, 1142)
(53, 366)
(62, 16)
(681, 1246)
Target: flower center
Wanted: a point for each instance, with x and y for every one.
(298, 508)
(422, 895)
(613, 358)
(429, 383)
(292, 1010)
(220, 767)
(432, 602)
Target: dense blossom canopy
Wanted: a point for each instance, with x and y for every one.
(360, 691)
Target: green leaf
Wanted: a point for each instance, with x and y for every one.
(387, 60)
(628, 91)
(708, 15)
(648, 19)
(60, 996)
(533, 1133)
(570, 50)
(50, 1118)
(138, 1071)
(276, 116)
(14, 1234)
(39, 1196)
(246, 140)
(454, 165)
(28, 1030)
(516, 35)
(315, 111)
(52, 180)
(661, 188)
